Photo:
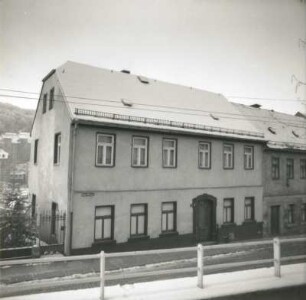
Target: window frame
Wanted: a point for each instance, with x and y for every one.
(276, 167)
(174, 212)
(169, 149)
(35, 157)
(146, 151)
(57, 148)
(51, 98)
(245, 157)
(111, 216)
(303, 213)
(209, 155)
(303, 168)
(231, 167)
(289, 167)
(252, 205)
(113, 153)
(232, 207)
(45, 103)
(145, 214)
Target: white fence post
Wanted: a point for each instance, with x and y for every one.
(277, 257)
(102, 274)
(200, 254)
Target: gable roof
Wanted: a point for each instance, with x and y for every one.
(283, 131)
(111, 97)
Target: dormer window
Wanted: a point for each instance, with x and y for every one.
(272, 130)
(143, 80)
(126, 103)
(295, 134)
(214, 117)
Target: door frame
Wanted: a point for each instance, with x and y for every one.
(195, 203)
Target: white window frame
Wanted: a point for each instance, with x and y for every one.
(203, 153)
(138, 149)
(167, 151)
(107, 216)
(104, 146)
(136, 216)
(248, 157)
(228, 210)
(167, 213)
(228, 156)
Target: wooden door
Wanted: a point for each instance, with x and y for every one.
(275, 222)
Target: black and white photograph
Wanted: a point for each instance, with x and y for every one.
(152, 149)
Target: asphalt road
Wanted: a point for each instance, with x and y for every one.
(90, 268)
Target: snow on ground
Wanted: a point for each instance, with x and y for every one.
(216, 285)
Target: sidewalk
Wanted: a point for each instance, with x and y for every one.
(215, 286)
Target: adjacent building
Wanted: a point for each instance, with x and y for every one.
(131, 159)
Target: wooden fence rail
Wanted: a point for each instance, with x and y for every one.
(119, 274)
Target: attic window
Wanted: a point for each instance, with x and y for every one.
(255, 105)
(143, 79)
(126, 103)
(126, 71)
(272, 130)
(214, 117)
(295, 134)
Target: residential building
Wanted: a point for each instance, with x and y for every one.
(135, 161)
(284, 166)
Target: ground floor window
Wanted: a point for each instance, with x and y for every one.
(104, 222)
(53, 217)
(303, 212)
(139, 213)
(168, 217)
(291, 214)
(33, 205)
(228, 210)
(249, 208)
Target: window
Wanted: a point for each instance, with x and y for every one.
(168, 217)
(303, 212)
(303, 168)
(57, 148)
(228, 156)
(248, 157)
(169, 153)
(105, 150)
(275, 167)
(138, 219)
(140, 152)
(53, 217)
(104, 222)
(290, 168)
(33, 205)
(291, 214)
(51, 100)
(249, 208)
(204, 155)
(45, 99)
(228, 210)
(35, 151)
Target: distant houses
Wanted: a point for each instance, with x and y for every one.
(135, 162)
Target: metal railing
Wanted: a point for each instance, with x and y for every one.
(199, 270)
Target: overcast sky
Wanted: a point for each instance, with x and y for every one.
(244, 48)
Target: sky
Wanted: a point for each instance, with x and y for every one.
(240, 48)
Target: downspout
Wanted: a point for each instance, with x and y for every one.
(69, 216)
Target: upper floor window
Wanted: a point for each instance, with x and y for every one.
(169, 153)
(291, 209)
(45, 100)
(290, 168)
(204, 155)
(303, 168)
(228, 156)
(168, 217)
(105, 150)
(51, 99)
(35, 151)
(104, 222)
(138, 219)
(275, 167)
(57, 148)
(140, 151)
(249, 208)
(228, 210)
(248, 157)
